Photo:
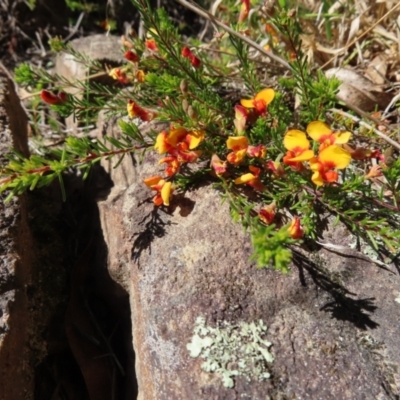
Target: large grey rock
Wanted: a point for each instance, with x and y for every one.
(333, 322)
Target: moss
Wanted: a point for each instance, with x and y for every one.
(232, 350)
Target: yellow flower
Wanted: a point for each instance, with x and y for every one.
(298, 149)
(239, 145)
(267, 213)
(260, 101)
(164, 189)
(251, 178)
(323, 134)
(295, 229)
(329, 159)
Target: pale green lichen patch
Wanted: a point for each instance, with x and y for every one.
(232, 350)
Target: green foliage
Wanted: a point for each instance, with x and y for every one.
(197, 91)
(270, 248)
(88, 7)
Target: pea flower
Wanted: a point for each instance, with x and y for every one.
(131, 56)
(239, 145)
(134, 110)
(53, 99)
(140, 75)
(276, 168)
(329, 159)
(120, 75)
(164, 189)
(298, 149)
(151, 44)
(267, 213)
(167, 142)
(323, 134)
(218, 165)
(295, 229)
(240, 120)
(244, 10)
(251, 178)
(173, 165)
(258, 151)
(260, 101)
(179, 144)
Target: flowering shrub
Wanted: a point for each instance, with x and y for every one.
(283, 171)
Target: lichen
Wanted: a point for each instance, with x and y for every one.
(232, 350)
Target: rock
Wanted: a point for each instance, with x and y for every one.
(105, 50)
(16, 373)
(332, 323)
(99, 48)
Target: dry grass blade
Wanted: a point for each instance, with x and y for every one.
(362, 123)
(371, 28)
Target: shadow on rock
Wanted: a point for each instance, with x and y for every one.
(343, 307)
(153, 227)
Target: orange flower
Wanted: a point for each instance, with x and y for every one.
(267, 213)
(134, 110)
(298, 149)
(151, 44)
(178, 143)
(140, 75)
(252, 179)
(259, 151)
(120, 75)
(329, 159)
(295, 229)
(321, 133)
(276, 168)
(164, 189)
(173, 165)
(167, 142)
(218, 165)
(239, 146)
(260, 101)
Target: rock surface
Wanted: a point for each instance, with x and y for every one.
(333, 322)
(16, 374)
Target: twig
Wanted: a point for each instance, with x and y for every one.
(75, 27)
(205, 14)
(362, 123)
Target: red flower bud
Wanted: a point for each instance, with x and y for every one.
(195, 61)
(63, 96)
(186, 52)
(151, 44)
(131, 56)
(51, 98)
